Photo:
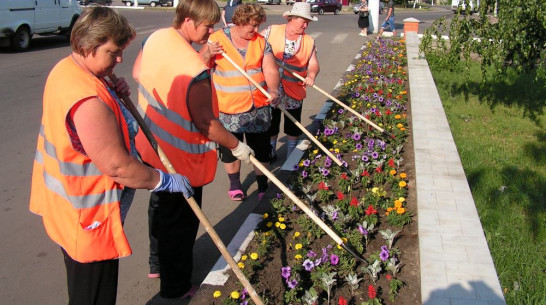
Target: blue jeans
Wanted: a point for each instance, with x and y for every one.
(390, 23)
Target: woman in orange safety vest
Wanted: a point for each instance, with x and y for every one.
(294, 49)
(86, 167)
(180, 107)
(244, 109)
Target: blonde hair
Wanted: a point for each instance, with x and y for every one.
(96, 26)
(247, 12)
(198, 10)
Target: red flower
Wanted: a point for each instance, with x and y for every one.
(365, 173)
(377, 113)
(371, 210)
(389, 277)
(340, 195)
(389, 95)
(391, 163)
(380, 92)
(371, 292)
(344, 176)
(378, 169)
(354, 202)
(388, 112)
(322, 186)
(342, 301)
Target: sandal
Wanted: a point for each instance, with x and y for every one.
(236, 195)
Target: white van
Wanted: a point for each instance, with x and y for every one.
(20, 19)
(474, 5)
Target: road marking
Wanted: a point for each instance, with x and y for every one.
(146, 32)
(314, 35)
(339, 38)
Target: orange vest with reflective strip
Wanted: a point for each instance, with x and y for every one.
(297, 63)
(236, 94)
(68, 190)
(169, 65)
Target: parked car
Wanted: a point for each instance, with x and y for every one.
(269, 1)
(322, 6)
(291, 2)
(21, 19)
(356, 7)
(152, 3)
(103, 2)
(474, 5)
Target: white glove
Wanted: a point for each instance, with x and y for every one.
(242, 152)
(173, 183)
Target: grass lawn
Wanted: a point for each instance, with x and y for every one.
(499, 130)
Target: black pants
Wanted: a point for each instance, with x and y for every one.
(289, 127)
(174, 226)
(93, 283)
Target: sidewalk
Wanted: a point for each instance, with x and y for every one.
(456, 265)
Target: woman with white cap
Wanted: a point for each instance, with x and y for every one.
(296, 50)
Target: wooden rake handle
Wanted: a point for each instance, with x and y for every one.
(360, 116)
(286, 113)
(296, 200)
(191, 201)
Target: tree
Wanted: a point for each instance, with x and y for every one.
(516, 38)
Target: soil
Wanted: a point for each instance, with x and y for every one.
(269, 284)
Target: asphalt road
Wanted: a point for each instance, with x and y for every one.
(31, 268)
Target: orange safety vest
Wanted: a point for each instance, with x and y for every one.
(236, 94)
(168, 66)
(297, 63)
(68, 190)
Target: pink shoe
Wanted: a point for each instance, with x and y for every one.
(153, 275)
(236, 195)
(191, 292)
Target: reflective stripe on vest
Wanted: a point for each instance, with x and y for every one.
(236, 94)
(176, 119)
(298, 63)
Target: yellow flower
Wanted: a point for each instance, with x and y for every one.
(336, 150)
(402, 199)
(296, 234)
(298, 246)
(315, 151)
(300, 164)
(244, 257)
(298, 256)
(397, 116)
(387, 213)
(277, 224)
(399, 125)
(375, 189)
(282, 226)
(241, 265)
(281, 219)
(266, 215)
(392, 172)
(254, 256)
(402, 183)
(234, 295)
(389, 209)
(401, 211)
(403, 175)
(402, 129)
(397, 204)
(217, 294)
(335, 142)
(269, 224)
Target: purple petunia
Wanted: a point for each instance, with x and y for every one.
(365, 158)
(311, 254)
(304, 174)
(340, 111)
(279, 195)
(292, 283)
(325, 172)
(358, 146)
(308, 265)
(375, 155)
(285, 272)
(334, 259)
(356, 136)
(384, 255)
(328, 131)
(362, 230)
(306, 162)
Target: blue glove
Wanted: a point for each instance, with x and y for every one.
(173, 183)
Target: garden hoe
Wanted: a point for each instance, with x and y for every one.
(286, 113)
(360, 116)
(191, 201)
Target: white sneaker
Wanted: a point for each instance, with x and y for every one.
(361, 34)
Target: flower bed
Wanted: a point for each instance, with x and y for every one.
(291, 260)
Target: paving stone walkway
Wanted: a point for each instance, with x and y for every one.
(456, 265)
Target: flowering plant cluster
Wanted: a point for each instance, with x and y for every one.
(364, 200)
